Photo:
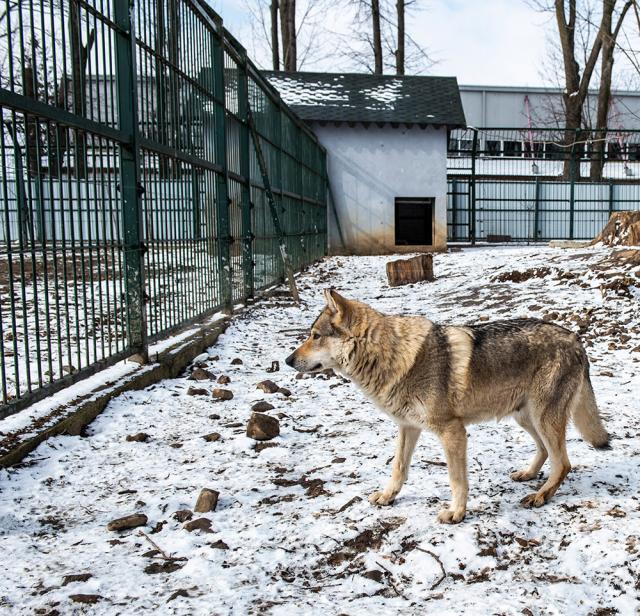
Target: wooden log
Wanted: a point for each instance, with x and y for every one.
(406, 271)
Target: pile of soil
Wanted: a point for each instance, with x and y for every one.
(623, 229)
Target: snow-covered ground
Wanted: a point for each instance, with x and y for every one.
(293, 532)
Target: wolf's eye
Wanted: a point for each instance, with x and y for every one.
(315, 336)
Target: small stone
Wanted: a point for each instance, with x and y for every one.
(301, 375)
(373, 574)
(78, 577)
(200, 374)
(203, 524)
(284, 391)
(207, 501)
(141, 437)
(183, 515)
(219, 545)
(201, 359)
(236, 362)
(223, 379)
(128, 522)
(197, 391)
(262, 407)
(275, 366)
(262, 427)
(214, 416)
(85, 598)
(222, 394)
(268, 387)
(212, 438)
(605, 373)
(168, 566)
(181, 592)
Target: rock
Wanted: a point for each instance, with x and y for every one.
(275, 366)
(201, 359)
(128, 522)
(236, 362)
(168, 566)
(200, 374)
(85, 598)
(207, 501)
(406, 271)
(284, 391)
(374, 574)
(214, 416)
(203, 524)
(212, 438)
(222, 394)
(262, 407)
(183, 515)
(268, 387)
(141, 437)
(258, 447)
(197, 391)
(219, 545)
(262, 427)
(78, 577)
(223, 379)
(181, 592)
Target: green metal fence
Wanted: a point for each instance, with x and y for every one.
(131, 202)
(533, 184)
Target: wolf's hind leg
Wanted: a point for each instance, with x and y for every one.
(405, 444)
(551, 427)
(454, 442)
(524, 420)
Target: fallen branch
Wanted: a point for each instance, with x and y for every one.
(391, 579)
(437, 558)
(164, 555)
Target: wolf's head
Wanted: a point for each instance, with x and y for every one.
(331, 338)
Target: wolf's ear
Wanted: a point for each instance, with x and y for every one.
(335, 302)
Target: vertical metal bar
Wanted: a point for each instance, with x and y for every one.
(536, 216)
(222, 192)
(472, 188)
(572, 185)
(245, 172)
(130, 187)
(611, 189)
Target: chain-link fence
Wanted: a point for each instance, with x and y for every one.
(131, 202)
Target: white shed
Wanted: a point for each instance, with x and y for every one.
(386, 140)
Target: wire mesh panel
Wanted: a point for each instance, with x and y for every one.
(131, 202)
(539, 184)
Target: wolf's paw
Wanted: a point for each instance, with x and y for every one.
(381, 499)
(451, 516)
(522, 476)
(533, 500)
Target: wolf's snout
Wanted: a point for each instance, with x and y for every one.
(289, 361)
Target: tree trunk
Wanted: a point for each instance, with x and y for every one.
(275, 44)
(377, 38)
(604, 92)
(288, 30)
(79, 58)
(401, 36)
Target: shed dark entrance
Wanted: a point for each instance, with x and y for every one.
(414, 221)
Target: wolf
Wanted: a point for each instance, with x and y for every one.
(429, 376)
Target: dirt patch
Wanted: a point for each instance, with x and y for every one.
(517, 276)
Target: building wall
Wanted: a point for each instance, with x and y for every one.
(368, 168)
(504, 107)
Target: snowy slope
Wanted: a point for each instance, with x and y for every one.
(294, 517)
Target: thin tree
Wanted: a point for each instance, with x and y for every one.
(610, 35)
(275, 43)
(376, 42)
(289, 35)
(400, 11)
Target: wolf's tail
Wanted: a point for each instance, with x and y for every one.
(587, 418)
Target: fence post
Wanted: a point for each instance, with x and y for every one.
(610, 197)
(536, 215)
(472, 188)
(572, 186)
(222, 193)
(245, 172)
(130, 188)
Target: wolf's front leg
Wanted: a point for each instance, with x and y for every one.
(405, 444)
(454, 440)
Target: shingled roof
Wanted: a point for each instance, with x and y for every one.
(343, 97)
